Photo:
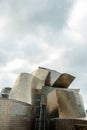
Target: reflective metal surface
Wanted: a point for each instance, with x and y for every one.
(42, 74)
(22, 89)
(15, 115)
(65, 103)
(5, 92)
(47, 91)
(53, 78)
(70, 104)
(63, 81)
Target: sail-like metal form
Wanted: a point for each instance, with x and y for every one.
(22, 89)
(42, 74)
(53, 78)
(5, 92)
(67, 103)
(63, 81)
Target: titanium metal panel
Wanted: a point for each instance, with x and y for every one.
(5, 92)
(65, 103)
(22, 89)
(63, 81)
(54, 78)
(70, 104)
(15, 115)
(42, 74)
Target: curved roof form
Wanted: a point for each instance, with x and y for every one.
(54, 78)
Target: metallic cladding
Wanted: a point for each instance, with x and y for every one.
(15, 115)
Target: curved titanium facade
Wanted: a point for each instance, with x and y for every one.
(5, 92)
(15, 115)
(22, 89)
(65, 103)
(54, 78)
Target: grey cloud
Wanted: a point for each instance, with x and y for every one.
(8, 50)
(51, 15)
(35, 54)
(31, 51)
(3, 58)
(76, 57)
(27, 15)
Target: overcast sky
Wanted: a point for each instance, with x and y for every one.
(47, 33)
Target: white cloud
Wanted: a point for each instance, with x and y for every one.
(78, 18)
(3, 23)
(14, 64)
(3, 26)
(85, 106)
